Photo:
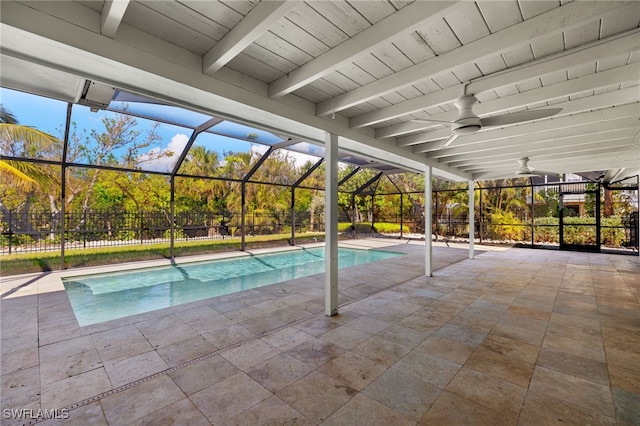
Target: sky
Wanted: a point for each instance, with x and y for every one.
(49, 116)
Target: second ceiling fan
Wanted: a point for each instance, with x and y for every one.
(468, 122)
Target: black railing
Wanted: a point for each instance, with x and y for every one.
(39, 231)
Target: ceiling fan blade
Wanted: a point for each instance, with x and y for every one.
(518, 117)
(545, 173)
(427, 121)
(449, 141)
(535, 172)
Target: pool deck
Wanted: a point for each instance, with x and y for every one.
(513, 337)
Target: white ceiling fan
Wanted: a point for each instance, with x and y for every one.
(468, 123)
(525, 171)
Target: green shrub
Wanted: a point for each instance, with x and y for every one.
(575, 231)
(610, 234)
(545, 230)
(379, 227)
(505, 226)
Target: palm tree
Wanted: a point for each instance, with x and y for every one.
(26, 174)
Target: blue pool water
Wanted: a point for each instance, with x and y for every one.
(103, 297)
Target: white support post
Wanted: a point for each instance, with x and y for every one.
(428, 240)
(331, 225)
(472, 231)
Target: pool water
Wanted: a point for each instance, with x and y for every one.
(104, 297)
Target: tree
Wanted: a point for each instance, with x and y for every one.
(22, 141)
(120, 144)
(17, 140)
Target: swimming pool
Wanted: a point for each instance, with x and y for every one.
(103, 297)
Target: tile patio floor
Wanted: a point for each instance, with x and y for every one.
(513, 337)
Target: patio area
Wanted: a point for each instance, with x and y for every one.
(513, 337)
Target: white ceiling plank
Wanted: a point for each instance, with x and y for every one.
(613, 62)
(252, 26)
(603, 49)
(142, 17)
(531, 8)
(216, 11)
(491, 64)
(587, 161)
(540, 159)
(412, 105)
(158, 49)
(438, 37)
(581, 35)
(466, 72)
(342, 14)
(253, 67)
(531, 84)
(615, 23)
(383, 32)
(580, 109)
(570, 16)
(446, 80)
(341, 81)
(554, 77)
(355, 73)
(601, 105)
(509, 90)
(545, 161)
(414, 47)
(566, 137)
(467, 23)
(188, 17)
(581, 70)
(374, 10)
(292, 33)
(272, 43)
(112, 14)
(500, 14)
(547, 46)
(519, 55)
(317, 25)
(624, 42)
(392, 57)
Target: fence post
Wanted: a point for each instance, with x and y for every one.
(480, 230)
(84, 226)
(10, 230)
(401, 211)
(533, 219)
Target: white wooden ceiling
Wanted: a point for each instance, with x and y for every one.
(363, 70)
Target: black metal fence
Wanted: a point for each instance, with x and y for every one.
(38, 231)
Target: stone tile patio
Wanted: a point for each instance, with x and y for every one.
(513, 337)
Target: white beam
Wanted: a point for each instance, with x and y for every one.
(403, 21)
(588, 162)
(41, 38)
(573, 113)
(557, 139)
(555, 21)
(428, 219)
(607, 146)
(248, 30)
(546, 93)
(618, 44)
(112, 14)
(331, 226)
(612, 46)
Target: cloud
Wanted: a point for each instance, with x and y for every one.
(164, 159)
